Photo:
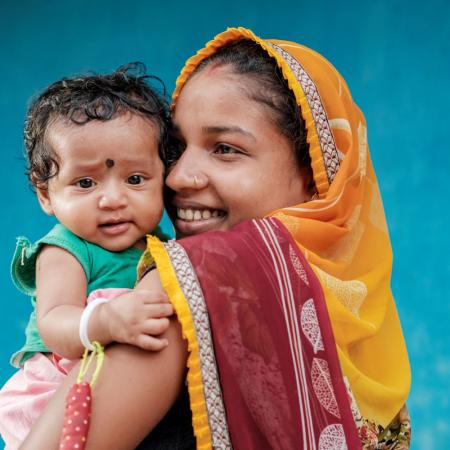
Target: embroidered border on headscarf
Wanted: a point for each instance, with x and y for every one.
(327, 144)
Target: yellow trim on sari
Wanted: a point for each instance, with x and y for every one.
(343, 234)
(195, 385)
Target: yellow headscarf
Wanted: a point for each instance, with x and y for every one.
(343, 233)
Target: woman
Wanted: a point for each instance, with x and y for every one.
(285, 315)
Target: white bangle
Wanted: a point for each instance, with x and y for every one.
(84, 321)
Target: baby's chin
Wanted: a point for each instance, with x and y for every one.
(117, 243)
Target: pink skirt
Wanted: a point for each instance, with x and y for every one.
(27, 392)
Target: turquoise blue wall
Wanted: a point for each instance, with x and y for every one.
(396, 58)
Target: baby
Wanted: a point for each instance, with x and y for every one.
(93, 146)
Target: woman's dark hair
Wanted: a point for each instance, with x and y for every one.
(90, 97)
(265, 83)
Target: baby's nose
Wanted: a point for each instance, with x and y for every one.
(113, 199)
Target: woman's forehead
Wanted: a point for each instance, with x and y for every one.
(220, 90)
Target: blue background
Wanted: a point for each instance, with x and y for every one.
(395, 56)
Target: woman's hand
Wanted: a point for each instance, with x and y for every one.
(137, 318)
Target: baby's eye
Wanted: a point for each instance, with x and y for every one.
(85, 183)
(224, 149)
(135, 179)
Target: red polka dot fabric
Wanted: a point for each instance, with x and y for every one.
(77, 416)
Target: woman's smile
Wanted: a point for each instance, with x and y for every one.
(190, 214)
(194, 220)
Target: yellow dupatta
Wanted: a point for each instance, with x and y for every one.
(343, 234)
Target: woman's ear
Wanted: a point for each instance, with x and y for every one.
(44, 200)
(309, 184)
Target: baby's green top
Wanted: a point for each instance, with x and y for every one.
(103, 269)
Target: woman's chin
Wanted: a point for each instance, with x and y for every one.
(193, 227)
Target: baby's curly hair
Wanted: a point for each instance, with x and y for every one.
(84, 98)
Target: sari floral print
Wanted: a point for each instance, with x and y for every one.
(263, 367)
(344, 239)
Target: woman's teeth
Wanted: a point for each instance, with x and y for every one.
(196, 214)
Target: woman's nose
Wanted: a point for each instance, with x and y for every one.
(186, 173)
(112, 197)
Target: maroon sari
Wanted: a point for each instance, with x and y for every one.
(263, 367)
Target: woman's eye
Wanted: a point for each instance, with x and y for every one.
(224, 149)
(135, 179)
(85, 183)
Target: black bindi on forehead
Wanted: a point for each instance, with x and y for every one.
(109, 163)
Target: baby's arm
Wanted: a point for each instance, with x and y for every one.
(61, 297)
(134, 391)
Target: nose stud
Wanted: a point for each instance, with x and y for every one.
(195, 181)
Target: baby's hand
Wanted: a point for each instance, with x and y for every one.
(137, 318)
